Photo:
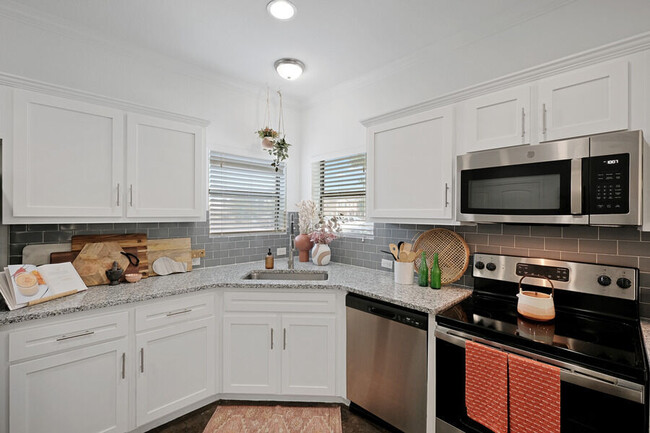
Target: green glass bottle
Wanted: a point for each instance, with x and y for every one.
(423, 278)
(435, 273)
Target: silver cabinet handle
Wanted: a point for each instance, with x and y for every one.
(544, 120)
(284, 339)
(81, 334)
(142, 360)
(118, 195)
(271, 338)
(123, 365)
(446, 194)
(523, 123)
(131, 195)
(174, 313)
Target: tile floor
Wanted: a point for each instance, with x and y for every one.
(195, 422)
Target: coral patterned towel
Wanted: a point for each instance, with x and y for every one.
(534, 396)
(486, 386)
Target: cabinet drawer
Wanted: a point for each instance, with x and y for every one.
(58, 337)
(174, 310)
(280, 302)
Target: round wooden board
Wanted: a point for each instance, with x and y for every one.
(453, 253)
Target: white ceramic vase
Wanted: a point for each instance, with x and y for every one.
(321, 254)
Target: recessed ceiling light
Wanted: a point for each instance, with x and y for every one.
(281, 9)
(289, 69)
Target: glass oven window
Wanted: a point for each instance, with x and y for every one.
(524, 189)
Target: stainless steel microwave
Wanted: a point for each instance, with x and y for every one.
(589, 180)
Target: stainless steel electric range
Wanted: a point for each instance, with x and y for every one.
(595, 340)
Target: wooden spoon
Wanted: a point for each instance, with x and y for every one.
(395, 251)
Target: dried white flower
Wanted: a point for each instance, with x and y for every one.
(307, 216)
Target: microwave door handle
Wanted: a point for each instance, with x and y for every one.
(576, 186)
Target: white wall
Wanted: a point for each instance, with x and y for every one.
(236, 111)
(332, 120)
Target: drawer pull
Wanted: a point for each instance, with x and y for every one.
(142, 360)
(271, 338)
(284, 339)
(81, 334)
(123, 365)
(174, 313)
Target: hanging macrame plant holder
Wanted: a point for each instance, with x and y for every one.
(267, 134)
(280, 149)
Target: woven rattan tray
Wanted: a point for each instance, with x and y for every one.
(453, 253)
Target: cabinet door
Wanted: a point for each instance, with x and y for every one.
(175, 367)
(82, 391)
(165, 169)
(308, 355)
(252, 353)
(409, 167)
(496, 120)
(67, 157)
(587, 101)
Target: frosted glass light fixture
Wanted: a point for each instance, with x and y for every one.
(281, 9)
(289, 69)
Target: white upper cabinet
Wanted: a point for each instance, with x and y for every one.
(68, 161)
(585, 101)
(495, 120)
(67, 157)
(165, 168)
(410, 162)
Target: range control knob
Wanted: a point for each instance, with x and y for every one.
(604, 280)
(623, 283)
(479, 265)
(491, 266)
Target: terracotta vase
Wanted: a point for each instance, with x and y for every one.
(304, 244)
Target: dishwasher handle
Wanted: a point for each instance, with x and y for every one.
(382, 313)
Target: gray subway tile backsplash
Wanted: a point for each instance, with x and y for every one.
(610, 245)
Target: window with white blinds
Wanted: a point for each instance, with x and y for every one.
(247, 195)
(339, 187)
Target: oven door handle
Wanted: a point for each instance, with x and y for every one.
(576, 186)
(569, 373)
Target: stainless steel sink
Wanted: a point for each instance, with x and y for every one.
(287, 275)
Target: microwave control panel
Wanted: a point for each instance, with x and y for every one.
(610, 184)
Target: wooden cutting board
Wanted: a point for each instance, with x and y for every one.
(132, 240)
(179, 249)
(96, 258)
(69, 256)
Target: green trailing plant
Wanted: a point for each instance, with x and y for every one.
(279, 152)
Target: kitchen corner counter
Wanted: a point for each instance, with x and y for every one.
(363, 281)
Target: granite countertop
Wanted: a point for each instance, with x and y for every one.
(372, 283)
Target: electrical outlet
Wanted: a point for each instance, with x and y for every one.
(385, 263)
(196, 261)
(281, 252)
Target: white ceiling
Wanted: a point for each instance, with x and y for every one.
(338, 40)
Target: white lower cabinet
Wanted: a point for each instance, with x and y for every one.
(175, 368)
(251, 354)
(308, 355)
(130, 368)
(286, 346)
(83, 390)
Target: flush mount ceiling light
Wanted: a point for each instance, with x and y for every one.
(281, 9)
(289, 69)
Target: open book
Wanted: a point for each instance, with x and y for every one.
(23, 285)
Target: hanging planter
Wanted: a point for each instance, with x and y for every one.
(267, 134)
(280, 149)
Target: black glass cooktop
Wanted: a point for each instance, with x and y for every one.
(607, 344)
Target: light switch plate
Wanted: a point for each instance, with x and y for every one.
(385, 263)
(281, 252)
(196, 261)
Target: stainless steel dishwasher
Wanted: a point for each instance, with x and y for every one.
(387, 362)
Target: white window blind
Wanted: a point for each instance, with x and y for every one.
(339, 187)
(246, 195)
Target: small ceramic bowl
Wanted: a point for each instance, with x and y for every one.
(133, 278)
